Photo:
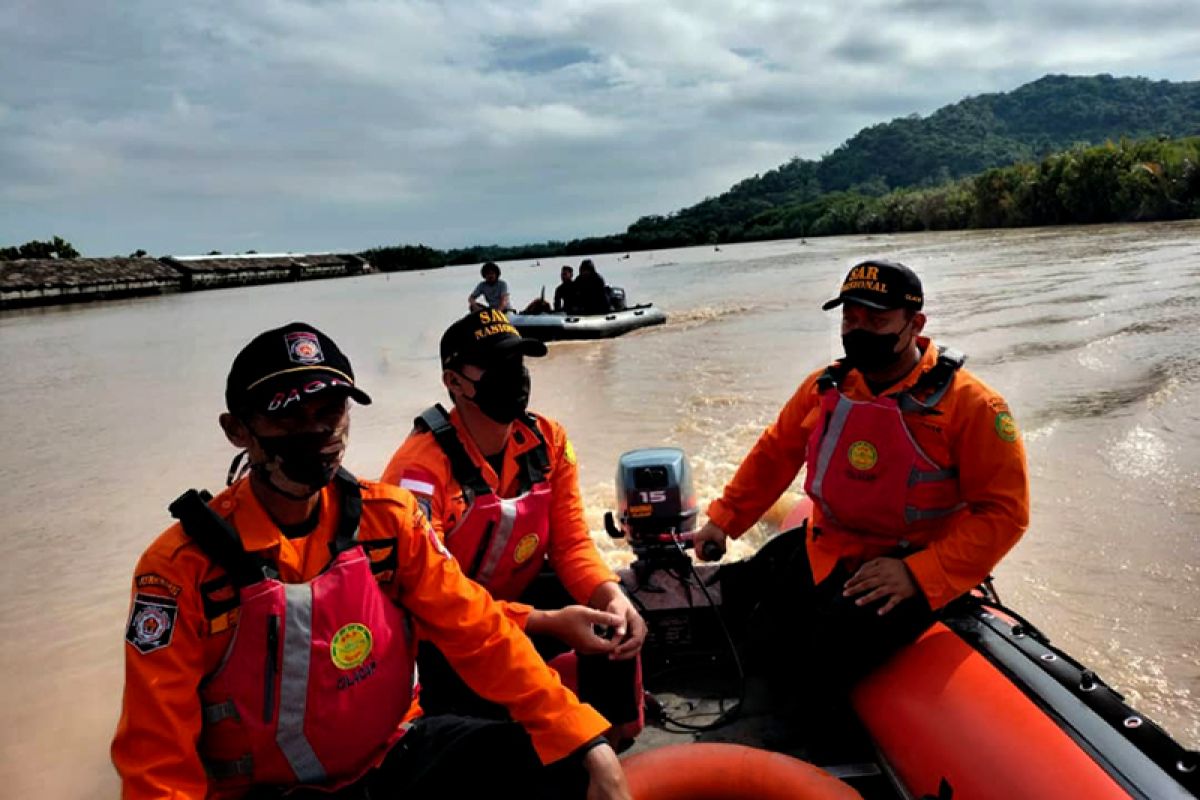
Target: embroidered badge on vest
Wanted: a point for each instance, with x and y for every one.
(525, 548)
(350, 646)
(151, 622)
(862, 455)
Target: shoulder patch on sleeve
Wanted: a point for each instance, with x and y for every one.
(1002, 419)
(1006, 426)
(569, 453)
(426, 505)
(151, 579)
(151, 622)
(435, 540)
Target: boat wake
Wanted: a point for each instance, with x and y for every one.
(705, 314)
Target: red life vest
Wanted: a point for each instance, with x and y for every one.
(866, 471)
(499, 542)
(319, 676)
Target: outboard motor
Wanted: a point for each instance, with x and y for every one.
(657, 513)
(656, 506)
(616, 298)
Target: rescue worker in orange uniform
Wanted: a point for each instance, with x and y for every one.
(272, 636)
(500, 485)
(917, 475)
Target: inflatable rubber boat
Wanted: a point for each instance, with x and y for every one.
(560, 326)
(982, 706)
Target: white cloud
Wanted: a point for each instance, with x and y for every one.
(350, 123)
(515, 125)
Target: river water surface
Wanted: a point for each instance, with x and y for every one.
(1092, 334)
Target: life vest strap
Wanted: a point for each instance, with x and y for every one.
(219, 711)
(533, 464)
(220, 542)
(350, 516)
(912, 515)
(832, 377)
(224, 770)
(932, 476)
(436, 420)
(936, 381)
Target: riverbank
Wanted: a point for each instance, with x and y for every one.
(56, 281)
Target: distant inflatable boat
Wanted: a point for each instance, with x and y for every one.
(559, 326)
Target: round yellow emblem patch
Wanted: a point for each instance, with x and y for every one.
(350, 646)
(525, 548)
(569, 452)
(1006, 427)
(862, 455)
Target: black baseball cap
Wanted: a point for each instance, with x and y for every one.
(483, 337)
(882, 285)
(285, 365)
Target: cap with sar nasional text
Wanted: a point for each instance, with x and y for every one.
(483, 337)
(285, 365)
(881, 285)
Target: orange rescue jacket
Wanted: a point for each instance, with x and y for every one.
(974, 433)
(188, 613)
(420, 466)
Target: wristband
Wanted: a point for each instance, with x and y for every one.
(587, 747)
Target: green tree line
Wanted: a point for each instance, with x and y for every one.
(1115, 182)
(1030, 123)
(52, 248)
(1125, 181)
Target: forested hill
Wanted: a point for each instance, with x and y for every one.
(1027, 124)
(968, 137)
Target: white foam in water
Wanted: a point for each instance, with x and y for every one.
(1140, 453)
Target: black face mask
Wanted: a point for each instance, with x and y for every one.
(300, 465)
(870, 352)
(503, 392)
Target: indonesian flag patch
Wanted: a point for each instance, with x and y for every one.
(417, 481)
(151, 622)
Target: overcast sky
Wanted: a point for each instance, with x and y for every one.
(344, 124)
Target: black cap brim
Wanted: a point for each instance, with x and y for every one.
(526, 347)
(303, 384)
(837, 301)
(514, 346)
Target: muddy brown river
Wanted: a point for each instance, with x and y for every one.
(1092, 334)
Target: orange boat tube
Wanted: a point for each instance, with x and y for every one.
(728, 772)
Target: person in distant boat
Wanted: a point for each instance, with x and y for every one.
(917, 475)
(564, 293)
(591, 293)
(272, 632)
(500, 486)
(491, 289)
